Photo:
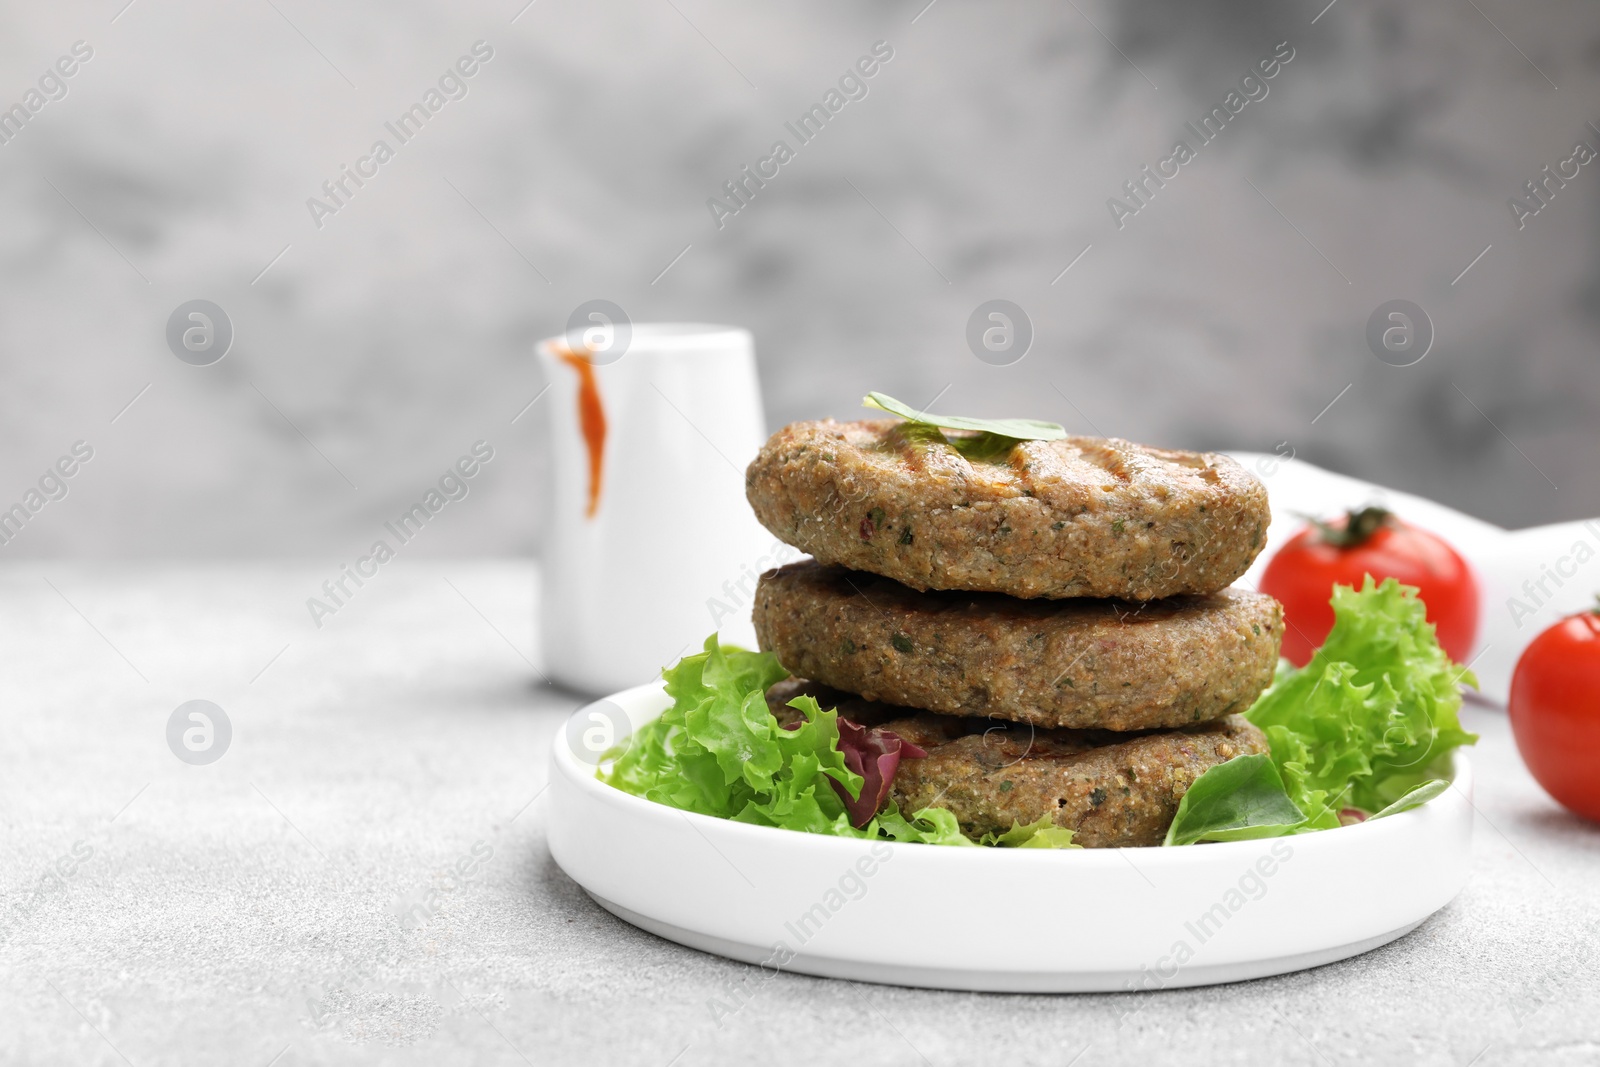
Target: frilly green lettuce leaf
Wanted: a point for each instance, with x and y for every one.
(1042, 833)
(1377, 707)
(928, 826)
(719, 751)
(1366, 724)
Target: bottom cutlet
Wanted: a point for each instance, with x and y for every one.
(1113, 790)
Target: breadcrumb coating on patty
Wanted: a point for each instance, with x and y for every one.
(1104, 664)
(1113, 790)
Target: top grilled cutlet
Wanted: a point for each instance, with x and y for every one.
(1075, 517)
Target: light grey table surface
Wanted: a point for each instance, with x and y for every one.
(246, 912)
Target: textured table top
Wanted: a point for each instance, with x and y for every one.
(300, 901)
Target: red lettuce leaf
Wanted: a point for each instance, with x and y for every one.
(875, 755)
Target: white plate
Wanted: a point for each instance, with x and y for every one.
(1012, 920)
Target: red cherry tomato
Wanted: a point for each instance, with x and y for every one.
(1370, 541)
(1555, 712)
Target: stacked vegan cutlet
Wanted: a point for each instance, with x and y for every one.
(1051, 623)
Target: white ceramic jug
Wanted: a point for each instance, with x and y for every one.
(650, 544)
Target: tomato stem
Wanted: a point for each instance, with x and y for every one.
(1358, 528)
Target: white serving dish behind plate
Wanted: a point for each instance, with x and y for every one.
(1003, 920)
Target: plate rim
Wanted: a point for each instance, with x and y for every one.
(1047, 981)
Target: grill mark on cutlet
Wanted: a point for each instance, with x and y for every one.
(908, 449)
(1049, 519)
(1105, 455)
(1196, 462)
(1022, 462)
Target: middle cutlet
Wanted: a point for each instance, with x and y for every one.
(1080, 664)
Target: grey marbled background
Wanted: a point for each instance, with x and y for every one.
(1227, 313)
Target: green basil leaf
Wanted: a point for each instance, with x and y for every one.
(985, 447)
(1019, 429)
(1234, 801)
